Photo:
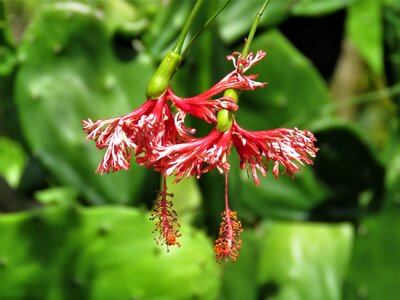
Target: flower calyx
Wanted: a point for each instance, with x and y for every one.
(159, 82)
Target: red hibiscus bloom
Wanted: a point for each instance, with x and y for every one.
(287, 147)
(154, 125)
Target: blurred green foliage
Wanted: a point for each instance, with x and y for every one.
(331, 233)
(100, 253)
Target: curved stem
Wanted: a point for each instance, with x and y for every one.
(209, 21)
(186, 26)
(225, 117)
(253, 29)
(226, 193)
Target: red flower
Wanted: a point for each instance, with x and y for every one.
(158, 138)
(143, 128)
(193, 157)
(151, 125)
(154, 125)
(288, 147)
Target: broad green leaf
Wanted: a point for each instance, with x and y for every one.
(79, 78)
(283, 197)
(100, 253)
(374, 269)
(378, 241)
(392, 39)
(187, 198)
(235, 20)
(304, 261)
(364, 26)
(392, 176)
(13, 160)
(239, 278)
(318, 7)
(122, 17)
(166, 26)
(294, 93)
(7, 51)
(57, 196)
(347, 166)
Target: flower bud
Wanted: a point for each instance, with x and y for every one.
(225, 117)
(159, 83)
(224, 120)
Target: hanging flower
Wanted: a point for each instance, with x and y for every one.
(192, 158)
(287, 147)
(158, 137)
(154, 125)
(151, 125)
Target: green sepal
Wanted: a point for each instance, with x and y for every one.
(225, 117)
(159, 83)
(225, 120)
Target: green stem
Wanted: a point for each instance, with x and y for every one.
(225, 117)
(253, 29)
(186, 26)
(332, 107)
(209, 21)
(161, 78)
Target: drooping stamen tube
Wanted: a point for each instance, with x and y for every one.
(228, 243)
(167, 224)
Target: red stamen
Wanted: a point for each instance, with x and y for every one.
(228, 243)
(167, 223)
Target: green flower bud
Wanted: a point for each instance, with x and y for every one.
(225, 117)
(225, 120)
(159, 83)
(232, 93)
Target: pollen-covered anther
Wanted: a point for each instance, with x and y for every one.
(166, 218)
(228, 243)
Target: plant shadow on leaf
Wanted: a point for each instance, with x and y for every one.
(122, 47)
(346, 165)
(323, 32)
(268, 290)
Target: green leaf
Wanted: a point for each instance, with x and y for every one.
(7, 52)
(364, 15)
(123, 17)
(304, 260)
(235, 286)
(350, 170)
(392, 39)
(13, 161)
(234, 24)
(57, 196)
(286, 258)
(165, 27)
(318, 7)
(187, 198)
(375, 264)
(284, 197)
(80, 78)
(100, 253)
(392, 176)
(295, 90)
